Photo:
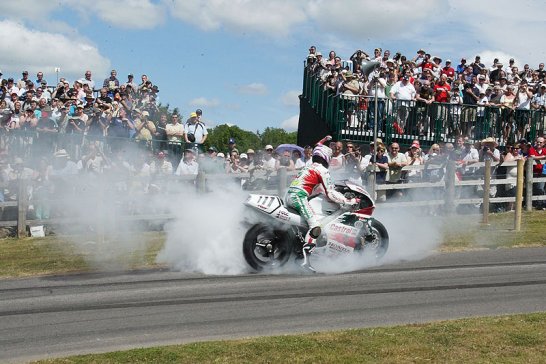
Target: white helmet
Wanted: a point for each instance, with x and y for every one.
(324, 152)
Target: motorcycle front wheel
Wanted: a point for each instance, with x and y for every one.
(267, 247)
(379, 242)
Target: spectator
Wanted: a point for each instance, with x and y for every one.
(188, 165)
(403, 94)
(268, 163)
(111, 83)
(161, 166)
(175, 133)
(211, 164)
(297, 159)
(448, 71)
(414, 158)
(477, 66)
(131, 83)
(538, 152)
(489, 150)
(337, 159)
(195, 132)
(86, 80)
(39, 79)
(232, 146)
(23, 82)
(144, 128)
(397, 161)
(285, 161)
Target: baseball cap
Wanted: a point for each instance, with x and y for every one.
(220, 155)
(212, 149)
(231, 141)
(193, 115)
(269, 146)
(199, 112)
(250, 151)
(243, 156)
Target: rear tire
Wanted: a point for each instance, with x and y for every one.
(267, 247)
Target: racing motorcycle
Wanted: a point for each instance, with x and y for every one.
(277, 231)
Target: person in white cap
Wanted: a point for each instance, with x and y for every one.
(269, 162)
(188, 165)
(312, 180)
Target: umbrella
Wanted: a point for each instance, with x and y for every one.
(290, 147)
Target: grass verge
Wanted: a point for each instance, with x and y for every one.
(505, 339)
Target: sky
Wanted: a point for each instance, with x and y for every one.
(241, 61)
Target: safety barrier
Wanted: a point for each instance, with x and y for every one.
(447, 193)
(352, 118)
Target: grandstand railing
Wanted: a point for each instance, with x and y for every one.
(352, 118)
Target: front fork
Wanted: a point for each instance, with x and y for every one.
(366, 235)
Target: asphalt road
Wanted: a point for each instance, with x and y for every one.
(63, 315)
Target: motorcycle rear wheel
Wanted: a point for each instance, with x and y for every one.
(380, 244)
(267, 247)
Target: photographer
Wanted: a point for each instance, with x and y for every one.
(489, 150)
(195, 132)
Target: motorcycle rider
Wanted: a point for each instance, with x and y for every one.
(310, 180)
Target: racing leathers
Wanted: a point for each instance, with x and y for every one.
(311, 180)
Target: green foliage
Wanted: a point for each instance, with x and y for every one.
(276, 136)
(219, 137)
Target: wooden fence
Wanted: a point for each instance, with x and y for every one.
(447, 188)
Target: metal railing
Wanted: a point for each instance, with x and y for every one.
(352, 118)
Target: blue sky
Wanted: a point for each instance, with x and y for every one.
(241, 60)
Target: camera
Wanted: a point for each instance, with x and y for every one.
(486, 148)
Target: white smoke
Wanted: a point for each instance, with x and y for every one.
(206, 235)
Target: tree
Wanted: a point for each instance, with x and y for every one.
(276, 136)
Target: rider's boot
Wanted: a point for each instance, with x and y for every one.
(309, 246)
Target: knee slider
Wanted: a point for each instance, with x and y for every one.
(315, 232)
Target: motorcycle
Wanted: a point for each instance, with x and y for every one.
(277, 232)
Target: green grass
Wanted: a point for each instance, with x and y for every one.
(498, 234)
(66, 254)
(505, 339)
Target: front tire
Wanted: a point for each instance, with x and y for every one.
(267, 247)
(380, 242)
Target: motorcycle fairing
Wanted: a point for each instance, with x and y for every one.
(273, 205)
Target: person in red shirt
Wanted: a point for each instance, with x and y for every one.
(441, 90)
(448, 70)
(538, 152)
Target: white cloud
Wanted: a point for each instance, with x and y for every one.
(291, 98)
(129, 14)
(274, 18)
(73, 56)
(253, 89)
(204, 102)
(291, 123)
(27, 9)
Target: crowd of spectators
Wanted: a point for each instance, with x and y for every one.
(357, 162)
(423, 87)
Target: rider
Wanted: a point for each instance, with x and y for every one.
(310, 179)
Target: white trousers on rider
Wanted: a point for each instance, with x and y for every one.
(298, 199)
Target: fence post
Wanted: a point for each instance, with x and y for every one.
(486, 190)
(519, 196)
(22, 209)
(283, 181)
(449, 201)
(529, 184)
(201, 181)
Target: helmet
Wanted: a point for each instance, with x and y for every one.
(324, 152)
